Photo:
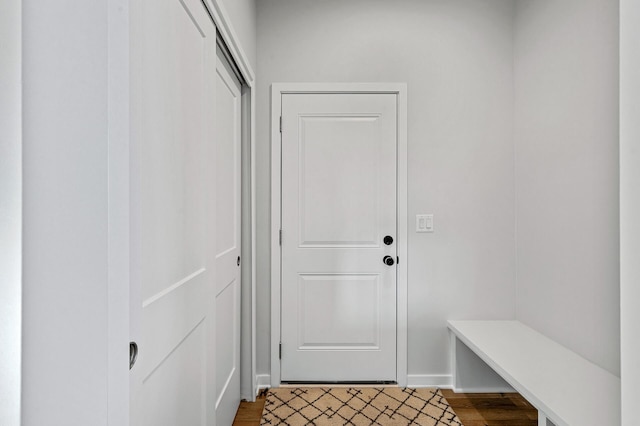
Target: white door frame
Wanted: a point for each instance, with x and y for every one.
(629, 206)
(11, 211)
(224, 26)
(277, 90)
(118, 215)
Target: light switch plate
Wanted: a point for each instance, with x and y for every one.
(424, 223)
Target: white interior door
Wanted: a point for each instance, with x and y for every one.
(228, 140)
(338, 204)
(173, 211)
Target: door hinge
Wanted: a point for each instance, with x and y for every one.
(280, 237)
(280, 351)
(280, 124)
(397, 260)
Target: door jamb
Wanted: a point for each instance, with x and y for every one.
(277, 90)
(11, 212)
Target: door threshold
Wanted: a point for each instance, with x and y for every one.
(340, 384)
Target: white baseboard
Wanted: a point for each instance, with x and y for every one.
(429, 381)
(263, 381)
(444, 381)
(485, 390)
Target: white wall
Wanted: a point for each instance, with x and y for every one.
(630, 206)
(65, 213)
(242, 14)
(566, 143)
(456, 57)
(10, 210)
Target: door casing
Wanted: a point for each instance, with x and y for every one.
(400, 90)
(228, 276)
(11, 211)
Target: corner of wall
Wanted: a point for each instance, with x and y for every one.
(514, 41)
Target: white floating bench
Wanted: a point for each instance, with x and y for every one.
(564, 387)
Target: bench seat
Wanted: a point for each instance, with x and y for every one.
(565, 388)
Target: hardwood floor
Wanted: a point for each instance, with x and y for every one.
(249, 413)
(492, 409)
(473, 409)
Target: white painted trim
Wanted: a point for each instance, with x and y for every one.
(263, 381)
(118, 214)
(400, 89)
(542, 419)
(283, 88)
(248, 384)
(484, 389)
(442, 381)
(221, 18)
(445, 381)
(629, 208)
(11, 211)
(254, 355)
(403, 253)
(276, 165)
(224, 26)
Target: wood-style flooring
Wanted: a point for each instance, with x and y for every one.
(249, 413)
(473, 409)
(492, 409)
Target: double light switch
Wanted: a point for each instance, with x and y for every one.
(424, 223)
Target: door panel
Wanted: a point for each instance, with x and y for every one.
(339, 311)
(338, 203)
(227, 113)
(173, 195)
(330, 215)
(180, 371)
(228, 133)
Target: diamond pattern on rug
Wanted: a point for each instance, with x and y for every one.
(357, 407)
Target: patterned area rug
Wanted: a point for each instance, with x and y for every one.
(357, 407)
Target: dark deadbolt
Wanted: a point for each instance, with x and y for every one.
(388, 240)
(238, 261)
(388, 260)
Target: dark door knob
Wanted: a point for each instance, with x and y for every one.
(388, 240)
(388, 260)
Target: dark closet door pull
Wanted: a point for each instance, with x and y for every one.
(133, 354)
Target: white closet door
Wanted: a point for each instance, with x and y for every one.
(173, 195)
(338, 205)
(228, 142)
